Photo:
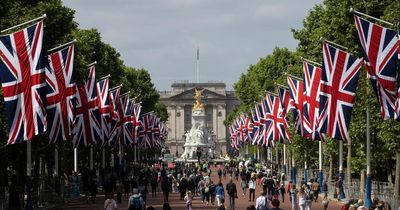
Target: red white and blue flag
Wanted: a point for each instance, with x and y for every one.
(114, 117)
(61, 88)
(123, 131)
(258, 124)
(87, 127)
(145, 130)
(380, 47)
(340, 74)
(23, 81)
(267, 129)
(312, 80)
(136, 109)
(296, 90)
(103, 98)
(287, 102)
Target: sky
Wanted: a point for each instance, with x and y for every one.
(162, 36)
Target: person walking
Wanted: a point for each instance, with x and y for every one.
(202, 186)
(282, 192)
(219, 193)
(182, 187)
(154, 185)
(166, 188)
(252, 188)
(136, 202)
(262, 202)
(212, 192)
(293, 196)
(119, 189)
(275, 204)
(243, 184)
(110, 203)
(325, 190)
(232, 192)
(302, 199)
(188, 200)
(315, 189)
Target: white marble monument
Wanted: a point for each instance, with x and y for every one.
(199, 137)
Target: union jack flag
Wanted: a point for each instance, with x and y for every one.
(87, 127)
(312, 80)
(258, 124)
(136, 108)
(379, 46)
(103, 98)
(296, 90)
(23, 81)
(340, 73)
(114, 121)
(266, 135)
(287, 102)
(145, 130)
(60, 93)
(245, 121)
(163, 131)
(278, 124)
(123, 131)
(233, 137)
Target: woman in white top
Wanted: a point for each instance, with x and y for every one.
(293, 197)
(302, 199)
(252, 188)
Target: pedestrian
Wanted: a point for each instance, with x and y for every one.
(110, 203)
(222, 205)
(243, 184)
(262, 202)
(282, 192)
(252, 188)
(212, 192)
(219, 173)
(188, 200)
(293, 196)
(315, 189)
(361, 205)
(325, 190)
(182, 187)
(201, 186)
(302, 199)
(119, 190)
(275, 204)
(126, 188)
(93, 190)
(136, 202)
(232, 192)
(154, 185)
(207, 192)
(219, 193)
(166, 188)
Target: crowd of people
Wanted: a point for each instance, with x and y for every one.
(262, 187)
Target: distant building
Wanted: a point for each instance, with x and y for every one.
(218, 104)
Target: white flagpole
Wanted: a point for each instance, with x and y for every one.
(91, 157)
(103, 162)
(56, 160)
(75, 160)
(321, 172)
(284, 160)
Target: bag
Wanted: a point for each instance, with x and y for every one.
(135, 204)
(231, 189)
(207, 190)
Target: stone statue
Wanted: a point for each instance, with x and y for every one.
(198, 106)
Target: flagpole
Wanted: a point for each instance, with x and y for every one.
(91, 158)
(56, 160)
(333, 43)
(294, 171)
(61, 46)
(103, 162)
(284, 160)
(305, 173)
(310, 61)
(368, 16)
(341, 174)
(76, 160)
(29, 173)
(321, 172)
(27, 22)
(368, 183)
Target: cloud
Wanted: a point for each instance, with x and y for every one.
(162, 35)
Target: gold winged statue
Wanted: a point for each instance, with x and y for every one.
(198, 106)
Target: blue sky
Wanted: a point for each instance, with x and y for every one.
(162, 35)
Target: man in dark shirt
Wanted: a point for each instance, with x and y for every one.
(275, 205)
(232, 192)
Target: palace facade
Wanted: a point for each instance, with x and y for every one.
(179, 102)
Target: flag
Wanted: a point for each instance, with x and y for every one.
(287, 102)
(258, 122)
(136, 108)
(86, 127)
(102, 88)
(379, 46)
(113, 95)
(340, 74)
(266, 133)
(312, 80)
(145, 131)
(23, 82)
(60, 96)
(296, 90)
(123, 131)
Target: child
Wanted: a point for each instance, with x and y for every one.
(110, 203)
(188, 198)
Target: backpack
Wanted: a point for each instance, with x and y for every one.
(264, 181)
(135, 204)
(231, 188)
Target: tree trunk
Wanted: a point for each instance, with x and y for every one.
(397, 175)
(348, 169)
(330, 169)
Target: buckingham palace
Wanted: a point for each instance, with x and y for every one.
(179, 101)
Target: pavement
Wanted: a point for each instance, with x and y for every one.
(176, 204)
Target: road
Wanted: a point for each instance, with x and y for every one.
(241, 203)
